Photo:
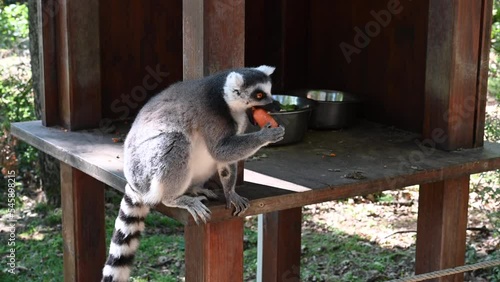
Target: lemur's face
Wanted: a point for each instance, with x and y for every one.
(251, 88)
(258, 95)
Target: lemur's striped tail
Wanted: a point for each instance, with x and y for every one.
(128, 227)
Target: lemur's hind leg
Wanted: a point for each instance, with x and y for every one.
(193, 205)
(171, 179)
(228, 174)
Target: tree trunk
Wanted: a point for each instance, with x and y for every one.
(49, 166)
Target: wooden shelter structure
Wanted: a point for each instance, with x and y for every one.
(421, 66)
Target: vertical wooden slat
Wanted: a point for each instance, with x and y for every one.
(281, 245)
(264, 37)
(441, 227)
(295, 43)
(452, 71)
(84, 234)
(47, 10)
(277, 35)
(78, 63)
(213, 36)
(192, 39)
(483, 68)
(214, 251)
(224, 34)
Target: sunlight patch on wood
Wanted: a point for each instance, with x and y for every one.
(259, 178)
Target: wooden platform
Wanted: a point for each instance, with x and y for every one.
(327, 165)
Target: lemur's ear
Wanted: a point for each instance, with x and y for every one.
(234, 80)
(266, 69)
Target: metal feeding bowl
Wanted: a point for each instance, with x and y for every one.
(333, 109)
(294, 116)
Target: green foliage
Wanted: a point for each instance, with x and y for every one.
(492, 129)
(494, 79)
(16, 95)
(14, 27)
(16, 104)
(495, 29)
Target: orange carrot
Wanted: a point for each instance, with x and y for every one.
(262, 118)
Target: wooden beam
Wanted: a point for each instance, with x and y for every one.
(483, 69)
(78, 63)
(441, 227)
(84, 232)
(453, 48)
(214, 251)
(49, 95)
(281, 245)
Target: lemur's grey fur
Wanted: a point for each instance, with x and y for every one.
(179, 139)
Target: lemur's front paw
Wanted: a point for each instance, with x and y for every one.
(240, 204)
(272, 135)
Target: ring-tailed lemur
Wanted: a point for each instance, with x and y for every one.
(179, 139)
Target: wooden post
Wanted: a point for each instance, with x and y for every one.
(213, 40)
(84, 232)
(441, 227)
(78, 63)
(214, 251)
(452, 105)
(483, 69)
(281, 245)
(49, 95)
(213, 36)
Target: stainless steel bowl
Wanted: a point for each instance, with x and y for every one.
(333, 109)
(294, 121)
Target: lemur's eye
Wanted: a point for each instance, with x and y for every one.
(259, 95)
(237, 92)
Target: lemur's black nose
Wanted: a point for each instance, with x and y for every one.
(273, 107)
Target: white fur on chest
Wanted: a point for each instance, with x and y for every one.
(241, 120)
(201, 163)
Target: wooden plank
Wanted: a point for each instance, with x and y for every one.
(68, 220)
(372, 64)
(144, 38)
(84, 233)
(78, 63)
(441, 227)
(193, 35)
(294, 43)
(276, 34)
(388, 158)
(49, 97)
(451, 74)
(214, 251)
(483, 69)
(281, 245)
(264, 31)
